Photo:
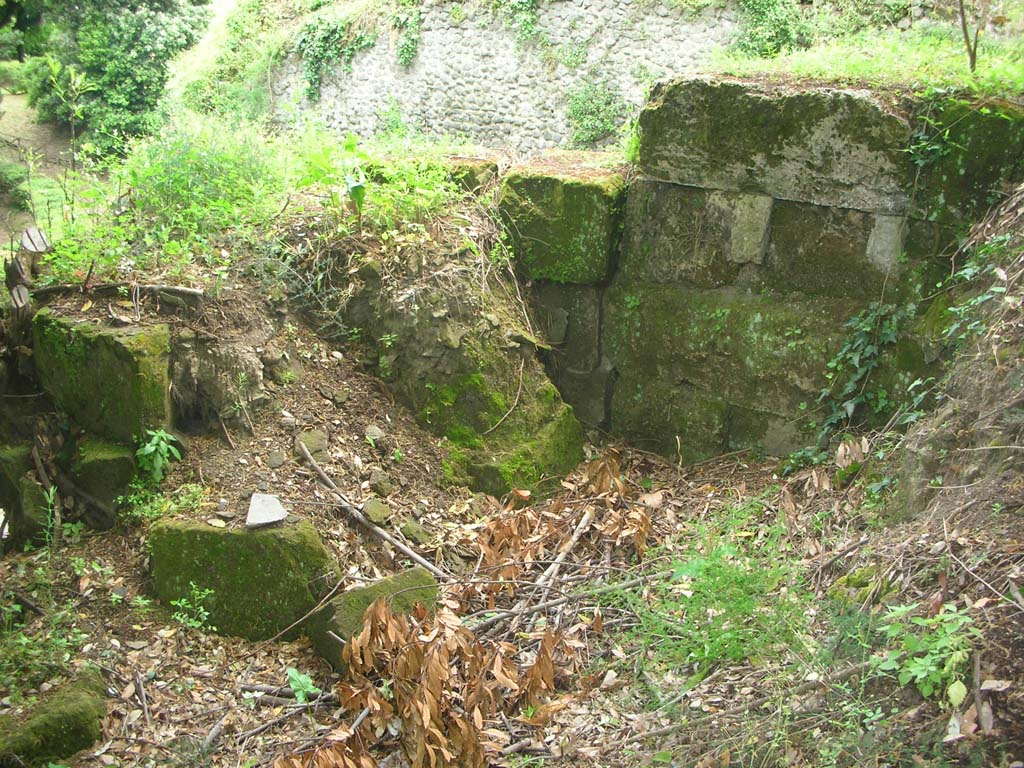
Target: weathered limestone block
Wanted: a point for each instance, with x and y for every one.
(263, 580)
(103, 470)
(563, 220)
(56, 727)
(833, 252)
(113, 382)
(460, 358)
(829, 147)
(344, 614)
(691, 236)
(701, 354)
(472, 173)
(587, 392)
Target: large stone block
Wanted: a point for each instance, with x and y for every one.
(112, 381)
(711, 358)
(263, 580)
(824, 146)
(834, 252)
(563, 220)
(343, 616)
(691, 236)
(62, 723)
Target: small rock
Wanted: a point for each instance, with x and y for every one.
(264, 509)
(377, 511)
(381, 484)
(415, 532)
(337, 355)
(315, 441)
(276, 459)
(374, 434)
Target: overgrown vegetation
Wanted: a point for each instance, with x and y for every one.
(324, 42)
(122, 51)
(596, 111)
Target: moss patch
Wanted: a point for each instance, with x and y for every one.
(563, 228)
(966, 153)
(823, 146)
(103, 470)
(58, 726)
(344, 614)
(113, 382)
(262, 580)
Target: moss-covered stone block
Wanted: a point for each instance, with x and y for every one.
(967, 154)
(563, 222)
(865, 586)
(833, 252)
(113, 382)
(343, 616)
(817, 145)
(103, 470)
(29, 522)
(712, 360)
(472, 173)
(691, 236)
(263, 580)
(57, 726)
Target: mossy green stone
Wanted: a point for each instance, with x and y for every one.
(969, 152)
(113, 382)
(58, 726)
(102, 469)
(564, 229)
(818, 145)
(344, 614)
(29, 522)
(262, 580)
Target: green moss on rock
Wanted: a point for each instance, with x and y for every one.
(56, 727)
(103, 470)
(113, 382)
(563, 228)
(967, 152)
(262, 580)
(343, 616)
(822, 146)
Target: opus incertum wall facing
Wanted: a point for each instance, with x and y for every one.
(472, 77)
(695, 309)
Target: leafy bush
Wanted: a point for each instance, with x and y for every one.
(10, 42)
(323, 42)
(771, 27)
(192, 611)
(13, 178)
(235, 83)
(202, 173)
(124, 49)
(12, 76)
(596, 110)
(155, 454)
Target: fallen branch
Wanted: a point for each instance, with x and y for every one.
(214, 734)
(502, 615)
(292, 711)
(352, 511)
(173, 290)
(140, 692)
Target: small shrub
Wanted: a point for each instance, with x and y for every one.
(13, 185)
(931, 651)
(771, 27)
(408, 21)
(192, 611)
(12, 76)
(155, 454)
(596, 110)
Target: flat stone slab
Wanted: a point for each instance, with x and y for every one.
(264, 509)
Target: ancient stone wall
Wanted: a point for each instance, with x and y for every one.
(475, 76)
(762, 219)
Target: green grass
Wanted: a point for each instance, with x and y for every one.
(735, 595)
(923, 57)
